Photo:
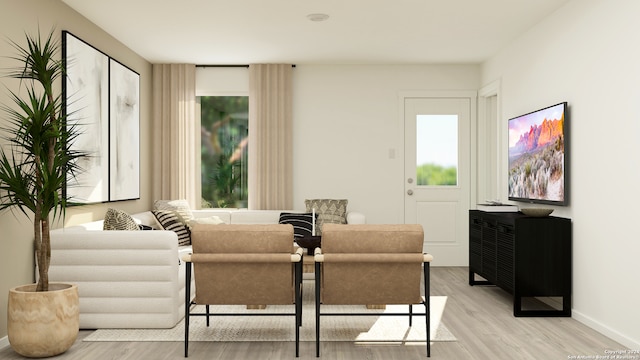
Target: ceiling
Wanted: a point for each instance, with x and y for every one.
(278, 31)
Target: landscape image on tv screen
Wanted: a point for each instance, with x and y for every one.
(537, 156)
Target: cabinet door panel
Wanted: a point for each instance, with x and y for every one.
(489, 250)
(475, 246)
(505, 256)
(542, 257)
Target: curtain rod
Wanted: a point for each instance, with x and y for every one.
(230, 66)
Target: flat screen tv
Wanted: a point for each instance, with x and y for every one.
(538, 156)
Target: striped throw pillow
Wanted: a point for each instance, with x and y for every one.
(172, 222)
(180, 207)
(302, 223)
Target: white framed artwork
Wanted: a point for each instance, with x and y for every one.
(102, 101)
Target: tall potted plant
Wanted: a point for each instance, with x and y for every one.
(34, 166)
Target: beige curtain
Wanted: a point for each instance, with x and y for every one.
(174, 130)
(270, 183)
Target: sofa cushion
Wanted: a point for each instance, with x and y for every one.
(332, 211)
(256, 216)
(116, 219)
(171, 221)
(180, 207)
(302, 223)
(213, 220)
(224, 215)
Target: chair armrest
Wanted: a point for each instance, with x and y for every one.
(373, 258)
(296, 257)
(319, 257)
(240, 258)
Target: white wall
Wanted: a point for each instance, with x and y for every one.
(346, 121)
(587, 53)
(222, 81)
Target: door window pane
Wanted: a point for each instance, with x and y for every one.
(437, 150)
(224, 141)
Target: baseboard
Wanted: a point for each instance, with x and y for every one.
(605, 330)
(4, 342)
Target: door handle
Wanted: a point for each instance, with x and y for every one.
(409, 192)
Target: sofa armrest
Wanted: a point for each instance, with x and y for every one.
(118, 264)
(114, 248)
(125, 278)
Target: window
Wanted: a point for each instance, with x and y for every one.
(224, 141)
(437, 150)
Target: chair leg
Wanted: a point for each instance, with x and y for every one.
(298, 306)
(427, 300)
(299, 294)
(410, 315)
(187, 307)
(318, 279)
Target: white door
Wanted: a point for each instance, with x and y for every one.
(438, 164)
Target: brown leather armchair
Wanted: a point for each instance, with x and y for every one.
(372, 264)
(244, 265)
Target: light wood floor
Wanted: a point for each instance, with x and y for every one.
(480, 317)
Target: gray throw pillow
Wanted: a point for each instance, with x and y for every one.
(329, 211)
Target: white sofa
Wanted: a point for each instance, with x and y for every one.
(134, 279)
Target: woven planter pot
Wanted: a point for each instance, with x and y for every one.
(43, 324)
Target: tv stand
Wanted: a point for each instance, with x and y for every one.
(526, 256)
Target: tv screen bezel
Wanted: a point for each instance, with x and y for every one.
(565, 133)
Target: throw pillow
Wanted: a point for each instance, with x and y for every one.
(181, 207)
(332, 211)
(171, 221)
(116, 219)
(302, 223)
(145, 227)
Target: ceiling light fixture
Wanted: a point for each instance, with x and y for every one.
(318, 17)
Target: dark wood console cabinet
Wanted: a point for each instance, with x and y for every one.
(526, 256)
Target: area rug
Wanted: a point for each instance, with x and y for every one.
(361, 329)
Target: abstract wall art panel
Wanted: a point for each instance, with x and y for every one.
(124, 139)
(86, 94)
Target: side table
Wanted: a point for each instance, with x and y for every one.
(310, 243)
